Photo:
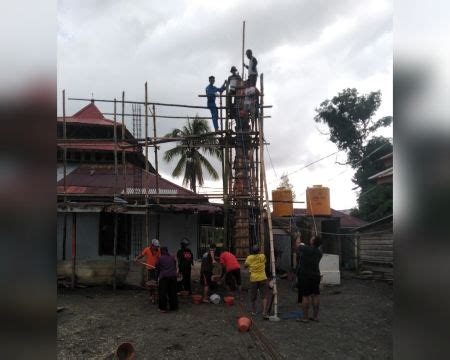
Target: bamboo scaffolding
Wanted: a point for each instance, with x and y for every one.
(261, 174)
(64, 172)
(116, 173)
(157, 170)
(151, 103)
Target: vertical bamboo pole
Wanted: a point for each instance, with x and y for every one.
(146, 128)
(243, 48)
(74, 247)
(224, 171)
(272, 250)
(115, 192)
(64, 172)
(124, 162)
(261, 159)
(158, 217)
(146, 162)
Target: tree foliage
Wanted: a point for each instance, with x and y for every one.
(286, 184)
(349, 117)
(189, 150)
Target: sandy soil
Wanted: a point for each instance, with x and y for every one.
(355, 323)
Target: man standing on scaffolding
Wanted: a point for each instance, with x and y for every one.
(211, 91)
(252, 70)
(233, 81)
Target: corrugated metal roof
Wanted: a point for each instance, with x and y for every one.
(102, 146)
(382, 174)
(347, 221)
(93, 179)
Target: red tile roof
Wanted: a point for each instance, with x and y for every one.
(347, 221)
(100, 180)
(90, 114)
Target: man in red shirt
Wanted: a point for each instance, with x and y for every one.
(231, 270)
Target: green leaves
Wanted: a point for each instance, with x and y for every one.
(193, 139)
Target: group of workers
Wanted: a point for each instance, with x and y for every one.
(221, 266)
(233, 82)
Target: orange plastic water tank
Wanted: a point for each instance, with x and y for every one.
(318, 200)
(282, 202)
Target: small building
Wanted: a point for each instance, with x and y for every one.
(375, 247)
(335, 230)
(111, 195)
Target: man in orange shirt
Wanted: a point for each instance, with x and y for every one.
(151, 254)
(231, 270)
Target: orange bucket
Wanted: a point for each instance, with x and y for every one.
(244, 323)
(197, 299)
(229, 300)
(125, 351)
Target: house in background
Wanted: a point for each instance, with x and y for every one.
(336, 232)
(385, 176)
(92, 195)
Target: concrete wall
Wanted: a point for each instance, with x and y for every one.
(87, 235)
(173, 227)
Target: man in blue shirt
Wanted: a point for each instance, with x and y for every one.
(211, 91)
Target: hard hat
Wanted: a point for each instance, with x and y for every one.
(155, 242)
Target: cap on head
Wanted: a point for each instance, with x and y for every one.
(255, 249)
(211, 78)
(185, 241)
(233, 68)
(155, 242)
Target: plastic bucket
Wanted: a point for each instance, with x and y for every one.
(125, 351)
(244, 323)
(229, 300)
(196, 299)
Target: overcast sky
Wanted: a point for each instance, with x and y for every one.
(307, 50)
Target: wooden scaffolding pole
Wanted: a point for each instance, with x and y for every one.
(158, 217)
(243, 48)
(261, 174)
(64, 172)
(116, 172)
(124, 162)
(74, 248)
(146, 162)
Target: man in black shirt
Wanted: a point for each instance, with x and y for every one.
(185, 261)
(309, 276)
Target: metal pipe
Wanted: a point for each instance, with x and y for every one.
(146, 127)
(243, 48)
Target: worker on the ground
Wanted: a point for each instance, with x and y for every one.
(211, 91)
(309, 277)
(167, 285)
(252, 70)
(233, 81)
(185, 261)
(206, 271)
(256, 262)
(151, 254)
(231, 270)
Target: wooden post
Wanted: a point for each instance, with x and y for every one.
(146, 128)
(261, 168)
(158, 217)
(124, 162)
(272, 249)
(357, 252)
(74, 247)
(243, 48)
(115, 249)
(224, 169)
(64, 172)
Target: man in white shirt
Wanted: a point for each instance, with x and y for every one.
(252, 70)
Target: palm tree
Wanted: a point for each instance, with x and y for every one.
(192, 140)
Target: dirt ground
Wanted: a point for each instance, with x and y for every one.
(355, 323)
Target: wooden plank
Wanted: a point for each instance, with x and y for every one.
(377, 247)
(383, 269)
(377, 259)
(376, 242)
(376, 253)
